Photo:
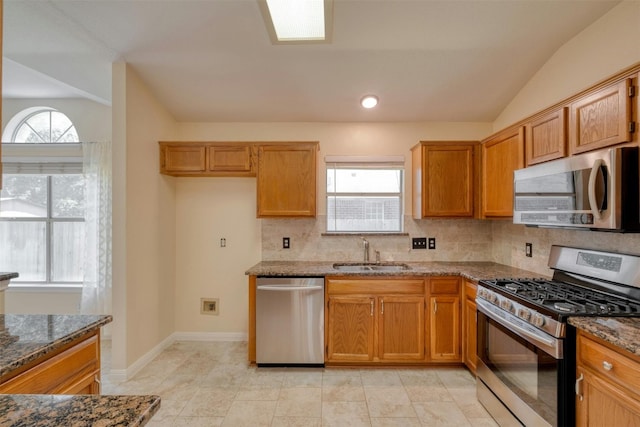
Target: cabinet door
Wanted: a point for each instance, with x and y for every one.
(469, 326)
(601, 403)
(287, 180)
(601, 119)
(445, 328)
(401, 328)
(500, 157)
(546, 137)
(444, 184)
(350, 330)
(230, 158)
(174, 159)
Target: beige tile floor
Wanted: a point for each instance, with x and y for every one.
(210, 384)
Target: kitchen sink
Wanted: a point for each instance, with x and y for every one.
(364, 267)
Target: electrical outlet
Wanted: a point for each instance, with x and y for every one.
(285, 243)
(419, 243)
(528, 249)
(432, 243)
(210, 306)
(223, 243)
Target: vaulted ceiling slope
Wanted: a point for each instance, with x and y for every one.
(212, 60)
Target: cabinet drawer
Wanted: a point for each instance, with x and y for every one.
(59, 374)
(609, 363)
(448, 286)
(470, 290)
(368, 287)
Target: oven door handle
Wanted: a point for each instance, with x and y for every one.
(548, 344)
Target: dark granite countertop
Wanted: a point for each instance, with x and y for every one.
(7, 276)
(471, 270)
(33, 410)
(27, 337)
(623, 332)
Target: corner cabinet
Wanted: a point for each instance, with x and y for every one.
(375, 321)
(287, 179)
(200, 159)
(501, 155)
(602, 118)
(469, 325)
(444, 175)
(444, 331)
(608, 384)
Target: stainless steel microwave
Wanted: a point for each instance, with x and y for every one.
(597, 190)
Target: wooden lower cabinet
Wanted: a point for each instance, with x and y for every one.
(375, 321)
(608, 384)
(74, 370)
(469, 325)
(444, 326)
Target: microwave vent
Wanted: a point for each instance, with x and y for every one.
(544, 203)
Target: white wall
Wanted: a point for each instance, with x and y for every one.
(143, 222)
(607, 46)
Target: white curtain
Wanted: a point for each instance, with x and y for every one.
(96, 290)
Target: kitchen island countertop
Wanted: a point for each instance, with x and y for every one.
(54, 410)
(473, 270)
(25, 339)
(623, 332)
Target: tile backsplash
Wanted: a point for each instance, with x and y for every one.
(456, 240)
(500, 241)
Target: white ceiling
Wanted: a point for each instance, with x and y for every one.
(212, 60)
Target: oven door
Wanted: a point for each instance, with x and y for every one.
(519, 369)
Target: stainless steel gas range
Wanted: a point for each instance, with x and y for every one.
(526, 349)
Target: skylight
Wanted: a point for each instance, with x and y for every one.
(297, 20)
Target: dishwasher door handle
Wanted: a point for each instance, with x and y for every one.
(289, 288)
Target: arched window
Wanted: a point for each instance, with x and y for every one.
(40, 125)
(42, 214)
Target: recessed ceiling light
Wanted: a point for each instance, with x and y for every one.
(369, 101)
(298, 21)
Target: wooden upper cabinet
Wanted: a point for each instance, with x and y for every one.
(443, 176)
(207, 158)
(546, 137)
(501, 155)
(602, 118)
(287, 180)
(230, 158)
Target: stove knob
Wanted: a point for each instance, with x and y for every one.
(493, 298)
(525, 314)
(505, 304)
(482, 293)
(539, 320)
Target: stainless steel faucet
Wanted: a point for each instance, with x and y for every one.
(366, 249)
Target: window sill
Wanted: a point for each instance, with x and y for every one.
(57, 288)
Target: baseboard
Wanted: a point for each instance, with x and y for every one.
(120, 375)
(209, 336)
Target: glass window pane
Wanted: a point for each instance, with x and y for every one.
(364, 214)
(23, 196)
(367, 180)
(23, 249)
(67, 196)
(67, 246)
(41, 124)
(62, 129)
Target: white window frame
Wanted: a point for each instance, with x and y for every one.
(365, 162)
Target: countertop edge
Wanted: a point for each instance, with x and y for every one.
(623, 332)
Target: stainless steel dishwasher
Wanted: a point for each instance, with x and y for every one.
(289, 321)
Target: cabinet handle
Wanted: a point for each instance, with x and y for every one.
(371, 307)
(96, 378)
(381, 306)
(435, 307)
(607, 366)
(579, 386)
